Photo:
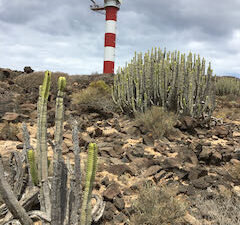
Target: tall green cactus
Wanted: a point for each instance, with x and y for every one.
(42, 128)
(90, 177)
(42, 160)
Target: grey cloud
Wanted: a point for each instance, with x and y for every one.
(211, 17)
(65, 35)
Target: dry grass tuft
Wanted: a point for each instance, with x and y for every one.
(157, 121)
(158, 205)
(220, 210)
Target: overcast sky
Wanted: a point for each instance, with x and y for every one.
(65, 35)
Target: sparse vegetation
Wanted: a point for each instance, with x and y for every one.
(66, 194)
(157, 121)
(154, 204)
(158, 205)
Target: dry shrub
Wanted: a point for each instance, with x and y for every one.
(157, 121)
(233, 171)
(4, 85)
(158, 205)
(227, 113)
(220, 210)
(97, 95)
(32, 81)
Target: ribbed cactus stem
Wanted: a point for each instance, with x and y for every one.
(43, 126)
(57, 163)
(61, 83)
(90, 177)
(33, 166)
(59, 114)
(42, 162)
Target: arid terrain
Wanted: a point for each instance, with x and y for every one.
(196, 168)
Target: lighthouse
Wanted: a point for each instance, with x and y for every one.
(111, 8)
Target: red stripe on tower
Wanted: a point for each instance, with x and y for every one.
(111, 13)
(109, 66)
(110, 40)
(111, 7)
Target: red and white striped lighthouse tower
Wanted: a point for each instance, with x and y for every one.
(111, 7)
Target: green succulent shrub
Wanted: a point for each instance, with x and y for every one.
(170, 80)
(228, 86)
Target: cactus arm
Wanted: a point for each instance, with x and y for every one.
(59, 111)
(43, 125)
(38, 150)
(90, 176)
(33, 167)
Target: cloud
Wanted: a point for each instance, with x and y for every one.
(65, 35)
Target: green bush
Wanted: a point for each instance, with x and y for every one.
(96, 95)
(101, 86)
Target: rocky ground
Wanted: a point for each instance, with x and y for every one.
(195, 160)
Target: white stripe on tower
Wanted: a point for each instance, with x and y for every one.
(109, 54)
(111, 26)
(110, 36)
